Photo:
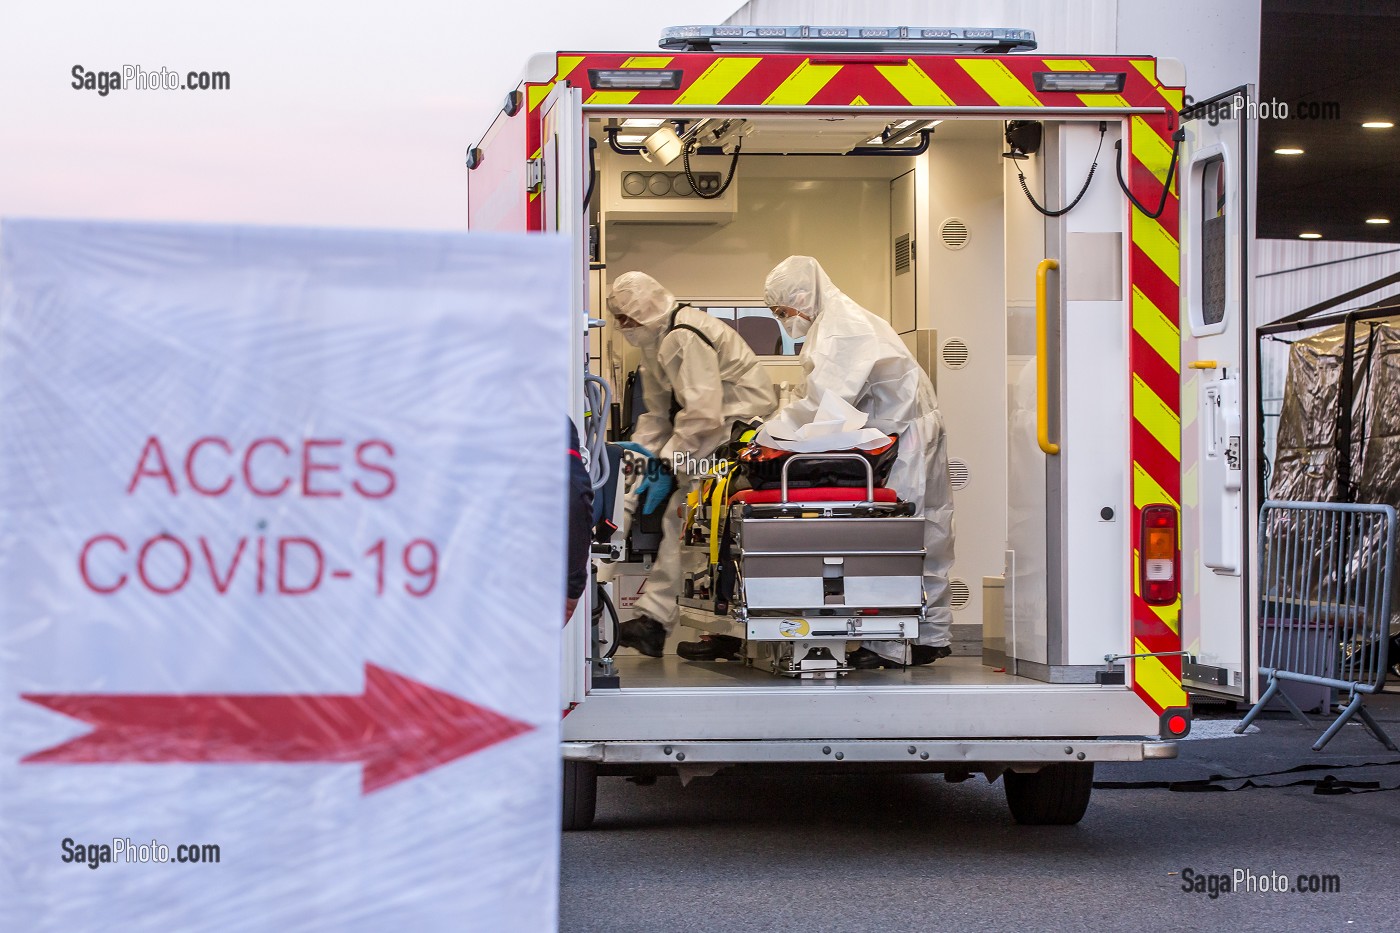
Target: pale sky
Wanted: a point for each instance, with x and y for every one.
(339, 113)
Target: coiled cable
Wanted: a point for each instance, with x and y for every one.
(598, 401)
(1103, 128)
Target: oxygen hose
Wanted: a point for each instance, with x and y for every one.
(598, 401)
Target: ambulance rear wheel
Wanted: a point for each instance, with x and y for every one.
(580, 794)
(1056, 795)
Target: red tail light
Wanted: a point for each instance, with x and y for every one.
(1157, 554)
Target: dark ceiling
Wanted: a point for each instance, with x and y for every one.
(1315, 54)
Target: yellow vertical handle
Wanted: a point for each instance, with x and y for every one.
(1042, 359)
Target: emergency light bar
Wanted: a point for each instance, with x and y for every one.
(905, 40)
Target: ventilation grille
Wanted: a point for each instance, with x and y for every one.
(955, 353)
(959, 594)
(958, 475)
(903, 254)
(954, 233)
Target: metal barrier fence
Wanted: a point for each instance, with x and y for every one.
(1324, 598)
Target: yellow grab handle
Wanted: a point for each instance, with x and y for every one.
(1204, 364)
(718, 507)
(1042, 360)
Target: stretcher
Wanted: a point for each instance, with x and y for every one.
(801, 573)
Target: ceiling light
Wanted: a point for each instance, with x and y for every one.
(1378, 125)
(662, 146)
(1309, 236)
(1288, 151)
(640, 122)
(1378, 220)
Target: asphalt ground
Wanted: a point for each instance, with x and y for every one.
(912, 852)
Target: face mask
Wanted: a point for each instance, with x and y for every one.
(643, 336)
(796, 326)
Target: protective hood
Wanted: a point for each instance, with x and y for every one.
(800, 283)
(643, 299)
(855, 356)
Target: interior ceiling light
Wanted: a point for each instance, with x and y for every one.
(1378, 125)
(1309, 236)
(1378, 220)
(644, 123)
(1288, 151)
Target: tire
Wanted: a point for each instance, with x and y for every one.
(580, 794)
(1056, 795)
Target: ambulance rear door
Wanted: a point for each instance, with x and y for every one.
(559, 176)
(1218, 374)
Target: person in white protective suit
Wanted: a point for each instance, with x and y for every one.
(858, 356)
(699, 378)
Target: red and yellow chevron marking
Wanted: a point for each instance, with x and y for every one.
(1154, 265)
(1000, 83)
(985, 82)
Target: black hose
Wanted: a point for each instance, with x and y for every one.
(1177, 137)
(592, 173)
(733, 165)
(607, 604)
(1103, 128)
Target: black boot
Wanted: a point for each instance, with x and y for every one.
(711, 648)
(923, 654)
(643, 633)
(863, 659)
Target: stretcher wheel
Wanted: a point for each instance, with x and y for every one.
(580, 794)
(1056, 795)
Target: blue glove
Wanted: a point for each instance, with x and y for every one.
(635, 448)
(655, 488)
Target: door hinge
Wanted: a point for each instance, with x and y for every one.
(534, 174)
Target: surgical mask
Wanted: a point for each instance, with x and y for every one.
(642, 336)
(796, 326)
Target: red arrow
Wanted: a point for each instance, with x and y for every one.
(397, 727)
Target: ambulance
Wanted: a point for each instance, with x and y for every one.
(1064, 245)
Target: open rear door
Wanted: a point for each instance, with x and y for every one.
(1217, 387)
(559, 174)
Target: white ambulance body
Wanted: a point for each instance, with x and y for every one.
(1099, 427)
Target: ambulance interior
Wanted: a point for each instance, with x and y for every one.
(924, 223)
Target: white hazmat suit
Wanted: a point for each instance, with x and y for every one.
(702, 369)
(859, 357)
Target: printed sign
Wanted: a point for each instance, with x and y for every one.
(267, 502)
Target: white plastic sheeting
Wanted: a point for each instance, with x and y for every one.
(281, 572)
